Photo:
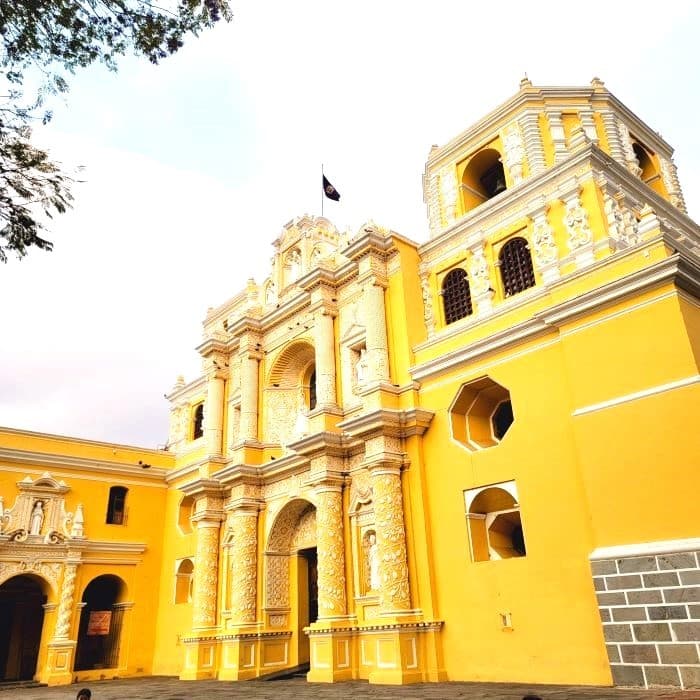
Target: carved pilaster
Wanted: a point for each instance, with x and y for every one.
(479, 280)
(428, 315)
(534, 150)
(244, 556)
(448, 195)
(65, 605)
(623, 229)
(612, 133)
(514, 151)
(205, 574)
(391, 538)
(630, 157)
(376, 336)
(214, 413)
(546, 253)
(432, 199)
(588, 125)
(669, 174)
(579, 234)
(325, 358)
(249, 396)
(556, 129)
(331, 551)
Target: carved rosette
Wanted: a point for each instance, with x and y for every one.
(428, 316)
(669, 175)
(576, 221)
(478, 271)
(205, 573)
(630, 156)
(448, 195)
(244, 549)
(65, 605)
(514, 151)
(391, 540)
(331, 552)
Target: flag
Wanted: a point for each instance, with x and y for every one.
(329, 190)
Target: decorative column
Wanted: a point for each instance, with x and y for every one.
(214, 410)
(201, 648)
(534, 150)
(249, 395)
(330, 637)
(375, 327)
(588, 125)
(391, 538)
(331, 551)
(244, 558)
(325, 358)
(448, 195)
(61, 649)
(556, 128)
(240, 649)
(579, 234)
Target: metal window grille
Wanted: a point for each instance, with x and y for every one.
(456, 298)
(516, 267)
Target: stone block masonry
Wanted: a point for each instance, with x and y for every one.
(649, 598)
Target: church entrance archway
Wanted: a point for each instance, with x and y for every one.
(292, 573)
(22, 601)
(100, 624)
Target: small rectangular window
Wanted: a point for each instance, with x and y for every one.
(116, 506)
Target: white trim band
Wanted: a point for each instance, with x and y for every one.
(651, 391)
(645, 549)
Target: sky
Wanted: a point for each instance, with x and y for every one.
(192, 168)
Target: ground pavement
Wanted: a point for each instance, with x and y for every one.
(160, 688)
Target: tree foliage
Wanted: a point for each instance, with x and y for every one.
(42, 42)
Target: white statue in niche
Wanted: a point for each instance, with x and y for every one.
(37, 518)
(270, 293)
(361, 368)
(373, 562)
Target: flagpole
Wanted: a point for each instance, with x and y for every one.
(322, 192)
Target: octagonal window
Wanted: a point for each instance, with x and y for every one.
(481, 414)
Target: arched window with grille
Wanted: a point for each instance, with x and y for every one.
(516, 267)
(456, 298)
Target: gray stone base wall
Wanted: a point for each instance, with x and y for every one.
(650, 610)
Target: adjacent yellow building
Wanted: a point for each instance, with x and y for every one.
(469, 459)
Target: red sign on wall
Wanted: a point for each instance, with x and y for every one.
(98, 622)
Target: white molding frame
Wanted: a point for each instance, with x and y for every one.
(641, 549)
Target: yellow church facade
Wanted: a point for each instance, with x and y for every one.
(468, 459)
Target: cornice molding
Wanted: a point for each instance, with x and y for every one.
(387, 421)
(193, 387)
(369, 241)
(49, 462)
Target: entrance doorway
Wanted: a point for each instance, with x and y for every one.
(21, 618)
(100, 624)
(307, 604)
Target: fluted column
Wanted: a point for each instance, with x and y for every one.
(65, 606)
(375, 327)
(249, 396)
(325, 359)
(330, 551)
(214, 414)
(556, 130)
(206, 573)
(244, 558)
(612, 134)
(391, 538)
